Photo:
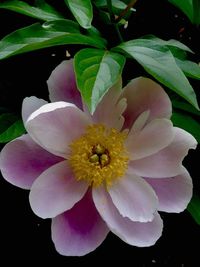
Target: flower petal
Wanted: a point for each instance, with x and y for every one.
(168, 161)
(140, 122)
(56, 191)
(22, 161)
(156, 135)
(134, 198)
(62, 84)
(144, 94)
(134, 233)
(79, 230)
(55, 125)
(31, 104)
(109, 110)
(173, 193)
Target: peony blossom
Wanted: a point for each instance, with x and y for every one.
(110, 171)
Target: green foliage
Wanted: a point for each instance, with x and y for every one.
(184, 106)
(117, 6)
(11, 127)
(194, 208)
(43, 11)
(82, 11)
(157, 59)
(191, 8)
(36, 36)
(190, 69)
(187, 123)
(97, 71)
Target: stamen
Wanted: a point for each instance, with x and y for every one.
(99, 156)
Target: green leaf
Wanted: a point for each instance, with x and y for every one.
(82, 11)
(160, 63)
(190, 69)
(187, 123)
(194, 208)
(14, 131)
(45, 12)
(10, 127)
(153, 41)
(191, 8)
(96, 72)
(185, 106)
(117, 5)
(6, 119)
(53, 33)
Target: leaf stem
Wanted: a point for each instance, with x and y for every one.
(126, 10)
(113, 21)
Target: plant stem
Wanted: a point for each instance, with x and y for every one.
(126, 10)
(113, 21)
(112, 16)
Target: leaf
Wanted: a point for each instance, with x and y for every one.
(190, 69)
(191, 8)
(6, 119)
(10, 127)
(14, 131)
(185, 106)
(196, 9)
(96, 72)
(187, 123)
(194, 208)
(82, 11)
(153, 41)
(45, 12)
(53, 33)
(117, 5)
(161, 64)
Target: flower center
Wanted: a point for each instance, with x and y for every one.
(99, 155)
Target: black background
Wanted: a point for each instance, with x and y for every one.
(25, 237)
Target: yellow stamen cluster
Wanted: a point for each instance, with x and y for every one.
(99, 156)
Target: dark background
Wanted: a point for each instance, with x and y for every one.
(25, 238)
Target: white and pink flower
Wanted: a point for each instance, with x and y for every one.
(110, 171)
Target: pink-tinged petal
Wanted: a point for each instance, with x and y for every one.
(168, 161)
(62, 84)
(144, 94)
(156, 135)
(31, 104)
(55, 125)
(22, 161)
(55, 191)
(134, 233)
(173, 193)
(79, 230)
(109, 110)
(134, 198)
(140, 122)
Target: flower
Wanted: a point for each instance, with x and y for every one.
(110, 171)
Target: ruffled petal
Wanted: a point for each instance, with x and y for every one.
(134, 233)
(79, 230)
(62, 84)
(156, 135)
(144, 94)
(55, 191)
(55, 125)
(173, 193)
(168, 161)
(22, 161)
(134, 198)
